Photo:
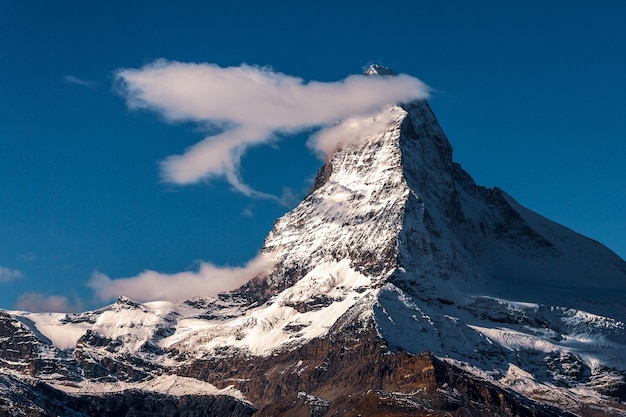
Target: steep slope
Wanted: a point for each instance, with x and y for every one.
(394, 252)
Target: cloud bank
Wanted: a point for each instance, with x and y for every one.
(8, 275)
(254, 104)
(151, 285)
(36, 302)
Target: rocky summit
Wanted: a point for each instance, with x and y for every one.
(399, 287)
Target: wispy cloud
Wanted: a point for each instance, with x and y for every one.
(254, 104)
(207, 280)
(28, 256)
(70, 79)
(351, 130)
(8, 275)
(37, 302)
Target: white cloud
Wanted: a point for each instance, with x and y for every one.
(70, 79)
(350, 131)
(8, 275)
(255, 102)
(36, 302)
(152, 285)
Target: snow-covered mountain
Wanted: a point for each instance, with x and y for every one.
(399, 285)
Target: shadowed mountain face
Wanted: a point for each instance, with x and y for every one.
(399, 287)
(400, 195)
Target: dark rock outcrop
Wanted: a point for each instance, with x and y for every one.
(329, 377)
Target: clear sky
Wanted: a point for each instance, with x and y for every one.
(532, 96)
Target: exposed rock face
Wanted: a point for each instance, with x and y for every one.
(331, 377)
(18, 345)
(400, 287)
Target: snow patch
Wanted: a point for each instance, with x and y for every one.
(287, 319)
(164, 384)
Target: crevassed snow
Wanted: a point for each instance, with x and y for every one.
(515, 340)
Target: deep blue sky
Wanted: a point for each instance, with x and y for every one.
(531, 95)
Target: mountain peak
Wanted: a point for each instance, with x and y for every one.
(124, 301)
(396, 206)
(395, 251)
(376, 69)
